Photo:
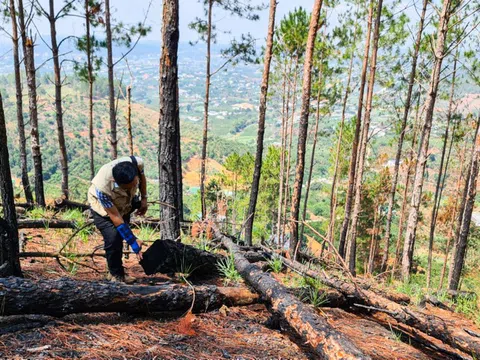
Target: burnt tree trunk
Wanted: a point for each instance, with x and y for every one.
(303, 126)
(261, 125)
(313, 328)
(460, 248)
(29, 61)
(9, 261)
(406, 112)
(352, 243)
(111, 85)
(203, 171)
(18, 92)
(356, 139)
(422, 154)
(167, 158)
(66, 296)
(52, 18)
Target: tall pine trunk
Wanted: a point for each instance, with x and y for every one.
(289, 138)
(460, 249)
(22, 142)
(261, 125)
(285, 142)
(408, 180)
(129, 119)
(373, 242)
(29, 61)
(312, 163)
(451, 227)
(408, 102)
(422, 154)
(111, 84)
(333, 193)
(439, 187)
(352, 243)
(9, 261)
(167, 155)
(90, 89)
(353, 160)
(178, 156)
(303, 126)
(58, 100)
(203, 171)
(282, 158)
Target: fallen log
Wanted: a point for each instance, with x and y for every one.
(47, 223)
(70, 224)
(364, 284)
(431, 325)
(63, 203)
(314, 329)
(67, 296)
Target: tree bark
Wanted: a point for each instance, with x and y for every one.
(262, 109)
(451, 230)
(408, 102)
(460, 249)
(303, 126)
(439, 186)
(111, 85)
(29, 61)
(18, 92)
(58, 99)
(178, 155)
(373, 243)
(422, 154)
(446, 331)
(353, 160)
(167, 155)
(9, 261)
(90, 90)
(314, 329)
(203, 170)
(352, 243)
(66, 296)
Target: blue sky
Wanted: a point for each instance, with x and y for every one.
(133, 11)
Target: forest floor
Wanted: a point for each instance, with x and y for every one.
(248, 332)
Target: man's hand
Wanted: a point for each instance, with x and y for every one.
(143, 208)
(139, 254)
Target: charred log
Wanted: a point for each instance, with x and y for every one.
(67, 296)
(313, 328)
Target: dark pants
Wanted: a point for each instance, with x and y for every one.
(113, 242)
